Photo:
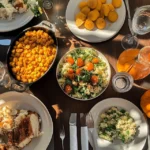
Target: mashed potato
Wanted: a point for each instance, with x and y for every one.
(7, 8)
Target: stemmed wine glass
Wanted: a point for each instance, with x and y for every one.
(140, 26)
(47, 4)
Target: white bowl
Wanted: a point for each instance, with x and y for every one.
(99, 55)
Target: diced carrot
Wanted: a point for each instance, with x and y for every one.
(70, 60)
(89, 66)
(68, 89)
(95, 60)
(71, 76)
(94, 79)
(80, 62)
(78, 71)
(70, 71)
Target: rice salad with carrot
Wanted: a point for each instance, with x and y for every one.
(83, 74)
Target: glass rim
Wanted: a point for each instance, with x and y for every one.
(142, 49)
(144, 6)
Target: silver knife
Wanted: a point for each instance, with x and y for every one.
(73, 132)
(5, 42)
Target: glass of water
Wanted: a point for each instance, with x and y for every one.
(140, 26)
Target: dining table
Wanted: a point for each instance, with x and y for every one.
(47, 89)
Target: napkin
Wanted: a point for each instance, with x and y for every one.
(84, 138)
(73, 138)
(73, 132)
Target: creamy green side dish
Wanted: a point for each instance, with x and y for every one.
(117, 124)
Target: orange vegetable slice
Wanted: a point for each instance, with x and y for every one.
(95, 60)
(94, 79)
(70, 60)
(68, 89)
(80, 62)
(78, 71)
(89, 66)
(70, 71)
(71, 76)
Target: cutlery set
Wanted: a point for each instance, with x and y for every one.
(86, 130)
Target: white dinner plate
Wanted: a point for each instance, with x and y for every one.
(17, 22)
(140, 139)
(95, 35)
(30, 102)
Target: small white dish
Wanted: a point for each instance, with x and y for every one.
(95, 35)
(142, 131)
(30, 102)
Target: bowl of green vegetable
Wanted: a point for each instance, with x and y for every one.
(83, 73)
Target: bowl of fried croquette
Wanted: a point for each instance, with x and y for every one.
(94, 13)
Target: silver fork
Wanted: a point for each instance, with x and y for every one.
(90, 125)
(62, 136)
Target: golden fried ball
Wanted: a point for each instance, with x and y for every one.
(100, 23)
(85, 10)
(101, 14)
(106, 9)
(103, 1)
(89, 24)
(111, 7)
(117, 3)
(99, 5)
(80, 18)
(82, 4)
(93, 15)
(112, 16)
(92, 3)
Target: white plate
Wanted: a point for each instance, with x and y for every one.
(19, 21)
(140, 139)
(96, 35)
(29, 102)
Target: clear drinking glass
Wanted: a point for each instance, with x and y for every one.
(144, 59)
(47, 4)
(140, 26)
(139, 69)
